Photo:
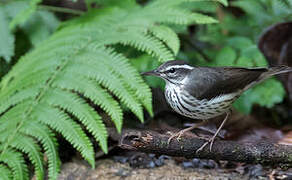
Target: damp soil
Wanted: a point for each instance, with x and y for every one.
(143, 166)
(108, 169)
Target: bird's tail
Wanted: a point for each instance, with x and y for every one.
(279, 70)
(270, 72)
(275, 70)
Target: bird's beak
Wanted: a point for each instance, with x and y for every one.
(150, 73)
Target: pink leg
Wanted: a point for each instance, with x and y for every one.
(211, 140)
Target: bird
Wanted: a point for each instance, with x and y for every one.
(207, 92)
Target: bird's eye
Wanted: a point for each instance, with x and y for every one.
(172, 70)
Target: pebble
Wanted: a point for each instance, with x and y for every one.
(187, 164)
(142, 160)
(204, 163)
(255, 170)
(160, 161)
(122, 172)
(121, 159)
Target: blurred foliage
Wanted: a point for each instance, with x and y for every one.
(37, 24)
(72, 80)
(233, 42)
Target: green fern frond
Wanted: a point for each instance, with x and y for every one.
(174, 16)
(44, 135)
(17, 98)
(224, 2)
(25, 14)
(92, 70)
(203, 19)
(51, 89)
(168, 36)
(16, 114)
(27, 145)
(172, 13)
(79, 108)
(15, 162)
(94, 92)
(5, 173)
(178, 2)
(62, 123)
(132, 78)
(140, 40)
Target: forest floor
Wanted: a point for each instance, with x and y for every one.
(141, 166)
(128, 165)
(111, 170)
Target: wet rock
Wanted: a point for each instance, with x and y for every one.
(211, 164)
(141, 160)
(160, 160)
(255, 171)
(201, 163)
(187, 164)
(121, 159)
(196, 162)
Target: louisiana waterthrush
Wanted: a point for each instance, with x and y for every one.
(206, 92)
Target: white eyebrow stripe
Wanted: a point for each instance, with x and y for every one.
(180, 66)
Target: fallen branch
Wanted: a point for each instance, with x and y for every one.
(153, 142)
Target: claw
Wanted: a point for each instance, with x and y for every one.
(178, 135)
(202, 147)
(211, 141)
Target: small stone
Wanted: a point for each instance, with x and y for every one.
(122, 172)
(203, 164)
(187, 164)
(151, 164)
(121, 159)
(151, 155)
(256, 171)
(196, 162)
(159, 162)
(141, 160)
(211, 164)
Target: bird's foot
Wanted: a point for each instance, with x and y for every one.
(211, 141)
(181, 132)
(178, 135)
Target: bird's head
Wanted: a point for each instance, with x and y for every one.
(174, 72)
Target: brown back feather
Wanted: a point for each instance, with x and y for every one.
(207, 82)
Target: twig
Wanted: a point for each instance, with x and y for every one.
(153, 142)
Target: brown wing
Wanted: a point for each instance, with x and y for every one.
(208, 82)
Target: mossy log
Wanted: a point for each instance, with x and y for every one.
(154, 142)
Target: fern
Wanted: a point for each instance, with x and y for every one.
(48, 90)
(15, 161)
(5, 174)
(25, 14)
(36, 24)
